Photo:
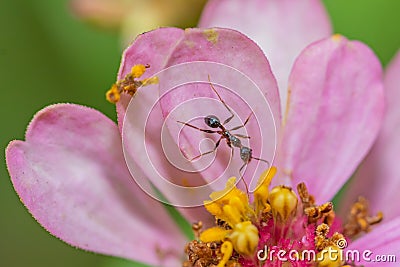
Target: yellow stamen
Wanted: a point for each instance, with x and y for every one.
(138, 70)
(213, 208)
(230, 204)
(262, 191)
(213, 234)
(227, 250)
(222, 197)
(244, 238)
(283, 202)
(232, 215)
(113, 95)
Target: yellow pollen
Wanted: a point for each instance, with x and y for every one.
(227, 250)
(129, 84)
(138, 70)
(283, 202)
(337, 37)
(113, 95)
(152, 80)
(211, 35)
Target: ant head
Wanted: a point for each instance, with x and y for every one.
(212, 121)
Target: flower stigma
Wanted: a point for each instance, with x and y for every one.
(130, 83)
(278, 219)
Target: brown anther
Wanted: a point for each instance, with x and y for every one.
(335, 238)
(319, 212)
(200, 255)
(321, 240)
(322, 230)
(305, 197)
(329, 218)
(376, 219)
(197, 227)
(359, 219)
(129, 85)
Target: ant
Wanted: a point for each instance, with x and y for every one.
(232, 140)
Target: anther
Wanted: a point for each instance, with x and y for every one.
(359, 219)
(197, 227)
(129, 84)
(320, 212)
(305, 197)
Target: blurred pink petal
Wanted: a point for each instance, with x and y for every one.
(378, 178)
(333, 114)
(383, 240)
(71, 175)
(283, 28)
(152, 48)
(105, 13)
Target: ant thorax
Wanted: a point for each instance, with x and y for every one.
(233, 139)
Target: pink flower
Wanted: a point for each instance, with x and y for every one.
(379, 176)
(71, 172)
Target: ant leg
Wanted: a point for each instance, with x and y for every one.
(222, 101)
(209, 152)
(197, 128)
(263, 160)
(242, 136)
(242, 178)
(241, 126)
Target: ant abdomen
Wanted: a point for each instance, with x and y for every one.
(246, 154)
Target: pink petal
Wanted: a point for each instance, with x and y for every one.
(213, 45)
(246, 64)
(71, 175)
(378, 178)
(283, 28)
(384, 240)
(333, 115)
(152, 48)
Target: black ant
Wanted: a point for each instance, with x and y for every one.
(232, 140)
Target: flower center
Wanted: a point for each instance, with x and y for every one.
(130, 83)
(279, 228)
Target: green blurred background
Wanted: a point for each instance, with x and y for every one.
(48, 56)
